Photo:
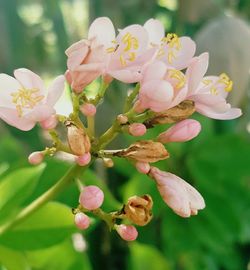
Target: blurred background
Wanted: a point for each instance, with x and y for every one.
(35, 34)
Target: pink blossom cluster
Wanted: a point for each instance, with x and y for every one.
(167, 73)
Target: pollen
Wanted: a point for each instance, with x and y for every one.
(26, 99)
(130, 41)
(224, 79)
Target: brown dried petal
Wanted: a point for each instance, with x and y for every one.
(175, 114)
(138, 209)
(78, 140)
(145, 151)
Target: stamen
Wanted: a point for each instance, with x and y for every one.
(179, 76)
(224, 79)
(213, 91)
(26, 99)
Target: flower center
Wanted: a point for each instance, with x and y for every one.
(174, 45)
(26, 99)
(179, 76)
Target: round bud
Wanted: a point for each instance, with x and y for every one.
(142, 167)
(36, 158)
(137, 129)
(108, 162)
(122, 119)
(82, 221)
(91, 197)
(127, 232)
(88, 109)
(49, 123)
(83, 160)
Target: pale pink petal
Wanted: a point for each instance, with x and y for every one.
(196, 72)
(180, 95)
(155, 30)
(8, 85)
(55, 90)
(29, 79)
(10, 116)
(76, 53)
(126, 75)
(154, 71)
(103, 29)
(40, 113)
(196, 201)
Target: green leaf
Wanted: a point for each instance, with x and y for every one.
(16, 187)
(48, 226)
(145, 257)
(12, 260)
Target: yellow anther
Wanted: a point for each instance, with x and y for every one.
(213, 91)
(130, 41)
(111, 49)
(122, 60)
(224, 79)
(171, 56)
(132, 56)
(179, 76)
(26, 99)
(207, 82)
(172, 40)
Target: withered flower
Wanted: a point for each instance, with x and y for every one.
(138, 209)
(145, 151)
(78, 140)
(172, 115)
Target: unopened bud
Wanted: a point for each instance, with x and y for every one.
(145, 151)
(142, 167)
(83, 160)
(108, 162)
(36, 158)
(183, 131)
(138, 209)
(122, 119)
(88, 109)
(49, 123)
(91, 197)
(172, 115)
(78, 140)
(137, 129)
(82, 221)
(127, 232)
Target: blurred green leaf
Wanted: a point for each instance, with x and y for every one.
(16, 187)
(145, 257)
(48, 226)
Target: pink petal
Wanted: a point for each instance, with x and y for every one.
(10, 116)
(55, 90)
(8, 85)
(196, 71)
(29, 79)
(104, 30)
(155, 30)
(40, 113)
(154, 71)
(126, 75)
(76, 53)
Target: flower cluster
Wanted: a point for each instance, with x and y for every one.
(169, 86)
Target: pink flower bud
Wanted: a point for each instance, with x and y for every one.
(68, 77)
(91, 197)
(88, 109)
(82, 221)
(49, 123)
(177, 193)
(83, 160)
(127, 232)
(36, 158)
(142, 167)
(137, 129)
(183, 131)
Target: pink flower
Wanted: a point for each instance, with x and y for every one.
(82, 221)
(183, 131)
(209, 93)
(84, 159)
(127, 53)
(49, 123)
(175, 52)
(155, 93)
(127, 232)
(88, 109)
(86, 62)
(137, 129)
(91, 197)
(24, 99)
(36, 158)
(177, 194)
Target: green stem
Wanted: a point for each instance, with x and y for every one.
(91, 126)
(131, 97)
(109, 219)
(44, 198)
(101, 93)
